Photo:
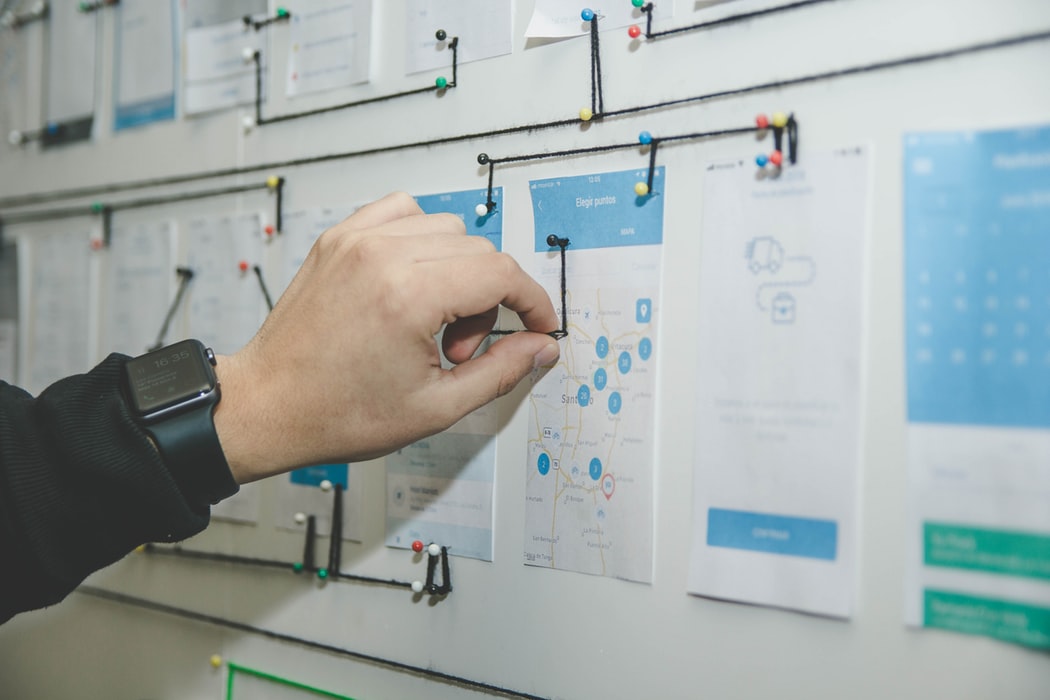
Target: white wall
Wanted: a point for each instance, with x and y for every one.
(546, 632)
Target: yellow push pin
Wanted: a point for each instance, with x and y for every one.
(780, 120)
(586, 114)
(140, 549)
(641, 189)
(216, 661)
(273, 181)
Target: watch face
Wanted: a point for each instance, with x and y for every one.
(169, 376)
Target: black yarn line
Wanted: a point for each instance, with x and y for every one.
(652, 164)
(308, 565)
(185, 275)
(335, 540)
(262, 121)
(448, 678)
(97, 5)
(255, 24)
(262, 286)
(308, 546)
(72, 193)
(562, 244)
(89, 210)
(730, 19)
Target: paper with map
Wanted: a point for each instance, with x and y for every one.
(589, 466)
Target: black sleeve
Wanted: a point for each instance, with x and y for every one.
(81, 485)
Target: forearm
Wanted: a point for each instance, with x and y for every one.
(80, 486)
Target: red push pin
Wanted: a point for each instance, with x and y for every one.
(776, 158)
(243, 265)
(269, 230)
(634, 31)
(762, 121)
(417, 546)
(96, 244)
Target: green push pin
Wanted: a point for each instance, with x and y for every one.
(297, 567)
(282, 13)
(637, 3)
(322, 573)
(97, 207)
(441, 83)
(85, 7)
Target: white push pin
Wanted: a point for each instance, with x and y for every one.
(248, 54)
(417, 586)
(481, 210)
(326, 485)
(300, 518)
(433, 550)
(247, 123)
(15, 137)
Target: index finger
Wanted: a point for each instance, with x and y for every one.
(478, 283)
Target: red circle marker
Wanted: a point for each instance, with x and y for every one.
(268, 230)
(634, 31)
(417, 546)
(96, 244)
(776, 158)
(243, 265)
(762, 121)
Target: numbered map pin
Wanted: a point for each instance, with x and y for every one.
(608, 486)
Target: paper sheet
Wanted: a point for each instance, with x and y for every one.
(144, 89)
(440, 489)
(71, 67)
(217, 76)
(780, 321)
(226, 305)
(483, 28)
(553, 19)
(140, 285)
(590, 450)
(977, 313)
(59, 306)
(328, 45)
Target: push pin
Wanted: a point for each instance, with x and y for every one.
(645, 138)
(322, 574)
(417, 586)
(587, 14)
(641, 189)
(634, 31)
(273, 182)
(586, 114)
(248, 54)
(247, 123)
(268, 230)
(52, 129)
(762, 121)
(97, 207)
(326, 485)
(417, 546)
(433, 549)
(96, 244)
(482, 209)
(15, 138)
(243, 266)
(780, 120)
(440, 35)
(441, 82)
(215, 661)
(300, 518)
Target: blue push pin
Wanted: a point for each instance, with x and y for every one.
(587, 14)
(761, 160)
(52, 128)
(645, 138)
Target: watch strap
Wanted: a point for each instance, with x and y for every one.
(192, 452)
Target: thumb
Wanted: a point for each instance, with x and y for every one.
(499, 369)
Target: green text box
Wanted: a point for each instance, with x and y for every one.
(1006, 552)
(1000, 619)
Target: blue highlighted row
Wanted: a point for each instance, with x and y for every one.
(775, 534)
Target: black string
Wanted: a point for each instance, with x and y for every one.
(430, 673)
(652, 164)
(453, 45)
(72, 193)
(562, 244)
(731, 19)
(185, 274)
(597, 101)
(308, 565)
(281, 16)
(262, 285)
(335, 540)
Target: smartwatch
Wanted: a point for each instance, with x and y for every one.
(173, 393)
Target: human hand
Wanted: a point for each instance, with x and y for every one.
(346, 366)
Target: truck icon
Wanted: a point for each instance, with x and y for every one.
(764, 253)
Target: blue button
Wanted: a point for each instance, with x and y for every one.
(776, 534)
